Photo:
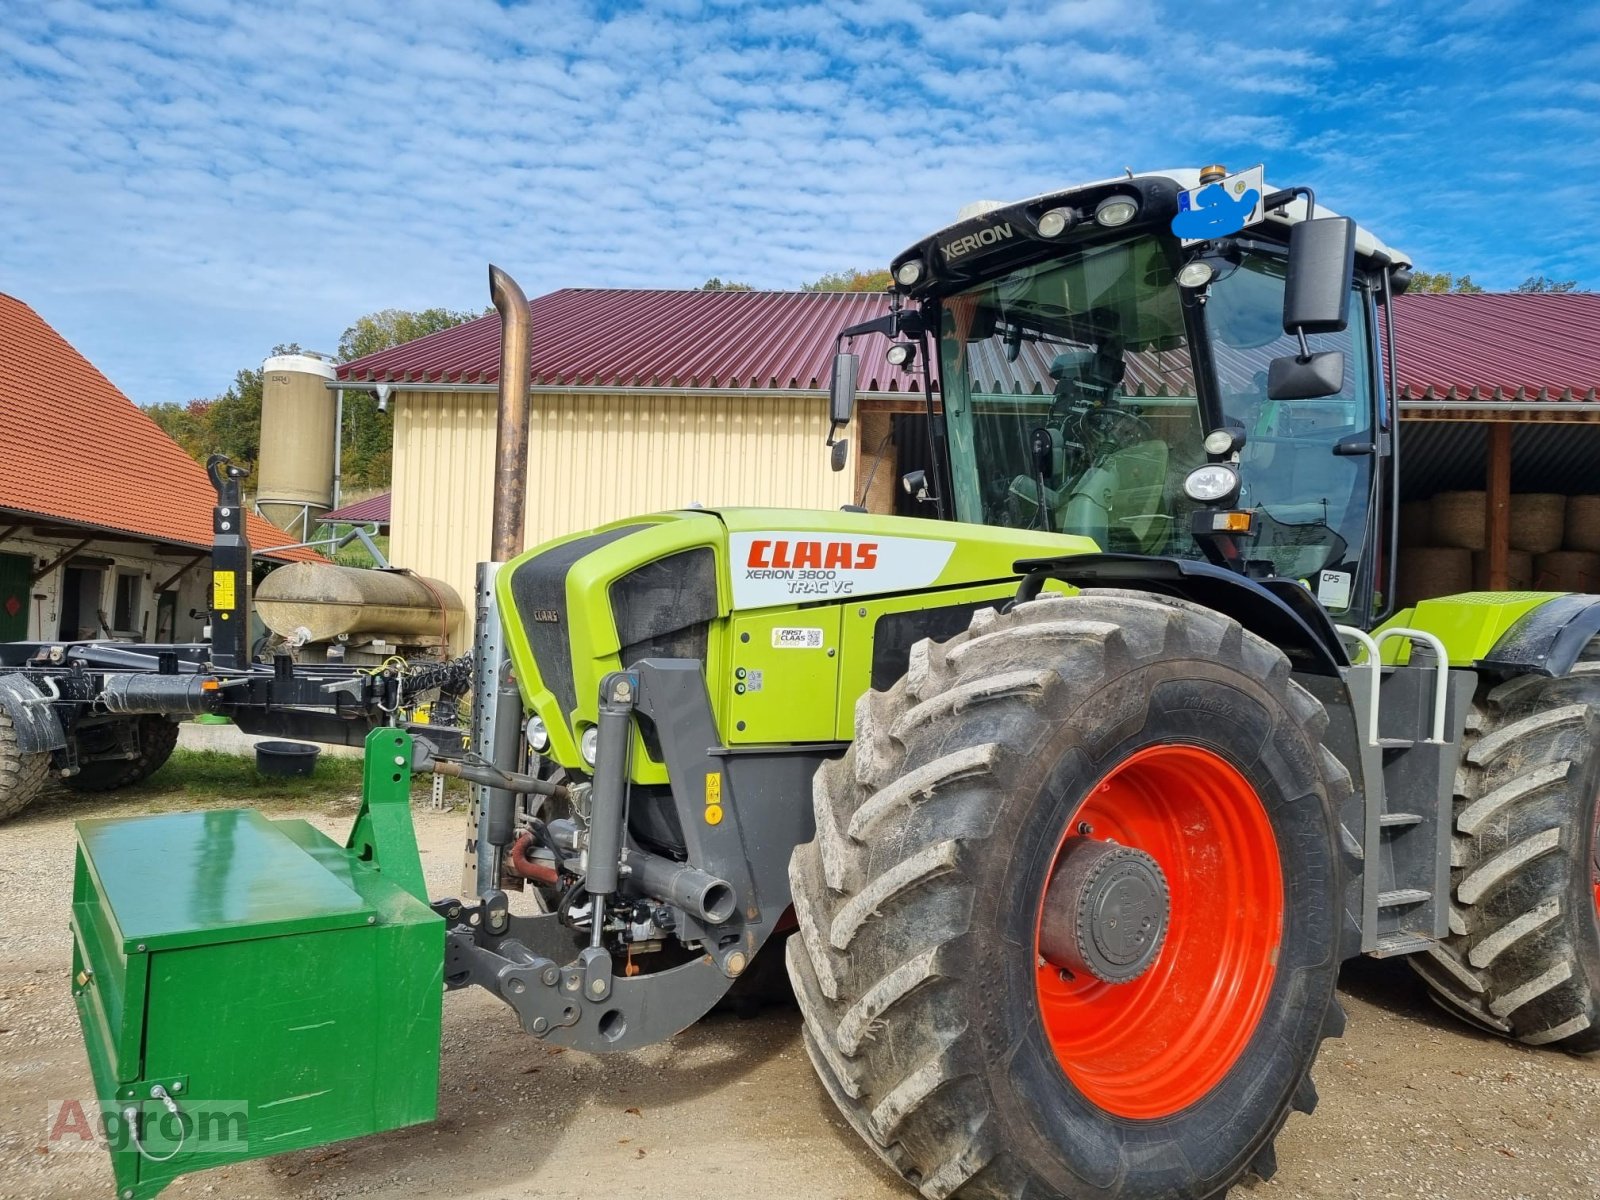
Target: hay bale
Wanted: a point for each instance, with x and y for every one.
(1583, 523)
(1537, 521)
(1416, 522)
(1567, 571)
(1428, 571)
(1519, 570)
(1458, 520)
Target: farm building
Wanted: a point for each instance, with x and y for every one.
(105, 523)
(645, 400)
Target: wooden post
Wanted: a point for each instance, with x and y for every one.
(1498, 508)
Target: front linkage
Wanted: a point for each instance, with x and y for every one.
(685, 930)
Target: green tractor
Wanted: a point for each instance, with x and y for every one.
(1062, 806)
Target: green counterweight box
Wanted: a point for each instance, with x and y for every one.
(284, 991)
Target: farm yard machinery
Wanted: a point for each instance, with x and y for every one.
(102, 715)
(1063, 806)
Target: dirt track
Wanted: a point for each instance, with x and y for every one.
(1413, 1104)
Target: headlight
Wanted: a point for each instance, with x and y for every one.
(1219, 442)
(1054, 222)
(1211, 484)
(908, 272)
(589, 744)
(1195, 274)
(901, 354)
(538, 735)
(1116, 210)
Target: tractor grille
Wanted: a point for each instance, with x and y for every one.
(665, 608)
(539, 590)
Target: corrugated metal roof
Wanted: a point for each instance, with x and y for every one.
(1493, 346)
(74, 449)
(595, 337)
(1499, 346)
(372, 510)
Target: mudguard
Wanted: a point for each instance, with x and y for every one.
(1288, 616)
(32, 715)
(1546, 640)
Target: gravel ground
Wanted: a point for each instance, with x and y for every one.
(1413, 1104)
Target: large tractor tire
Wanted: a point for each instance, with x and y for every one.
(157, 739)
(1069, 926)
(22, 776)
(1523, 955)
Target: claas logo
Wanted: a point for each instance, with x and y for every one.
(848, 556)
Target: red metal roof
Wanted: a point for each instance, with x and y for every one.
(1493, 346)
(372, 510)
(75, 450)
(1499, 346)
(595, 337)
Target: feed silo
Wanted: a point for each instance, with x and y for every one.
(295, 473)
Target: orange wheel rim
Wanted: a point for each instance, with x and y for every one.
(1151, 1047)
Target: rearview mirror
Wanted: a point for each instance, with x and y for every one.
(1316, 294)
(842, 390)
(1294, 378)
(841, 454)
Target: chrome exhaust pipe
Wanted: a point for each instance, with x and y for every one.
(511, 429)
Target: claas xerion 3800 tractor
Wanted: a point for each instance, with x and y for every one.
(1063, 805)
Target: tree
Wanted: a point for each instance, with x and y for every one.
(1424, 281)
(716, 285)
(227, 424)
(852, 280)
(368, 444)
(1538, 283)
(392, 326)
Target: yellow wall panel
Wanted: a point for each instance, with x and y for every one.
(594, 458)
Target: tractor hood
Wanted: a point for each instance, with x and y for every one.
(666, 586)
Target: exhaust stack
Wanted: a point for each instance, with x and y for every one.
(511, 431)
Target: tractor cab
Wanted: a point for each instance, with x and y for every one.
(1095, 369)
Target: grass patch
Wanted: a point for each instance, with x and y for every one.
(197, 779)
(216, 779)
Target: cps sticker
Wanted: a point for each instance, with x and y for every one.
(791, 638)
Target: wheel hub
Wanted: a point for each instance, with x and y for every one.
(1105, 911)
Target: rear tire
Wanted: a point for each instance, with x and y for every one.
(158, 737)
(915, 962)
(1523, 954)
(22, 776)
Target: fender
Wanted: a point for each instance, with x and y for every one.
(1548, 639)
(1280, 611)
(32, 715)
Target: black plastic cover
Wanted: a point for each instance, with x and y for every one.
(539, 590)
(1547, 640)
(1280, 611)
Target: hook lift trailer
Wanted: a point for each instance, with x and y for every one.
(1062, 808)
(104, 715)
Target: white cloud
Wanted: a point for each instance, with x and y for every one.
(187, 185)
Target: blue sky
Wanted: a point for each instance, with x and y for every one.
(186, 183)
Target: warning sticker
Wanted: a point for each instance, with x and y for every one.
(784, 638)
(714, 798)
(222, 590)
(786, 566)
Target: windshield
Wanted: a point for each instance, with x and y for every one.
(1071, 405)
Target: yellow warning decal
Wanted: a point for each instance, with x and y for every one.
(714, 798)
(222, 589)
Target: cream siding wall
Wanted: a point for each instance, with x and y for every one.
(594, 458)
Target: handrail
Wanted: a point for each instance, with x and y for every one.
(1441, 683)
(1372, 645)
(1375, 674)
